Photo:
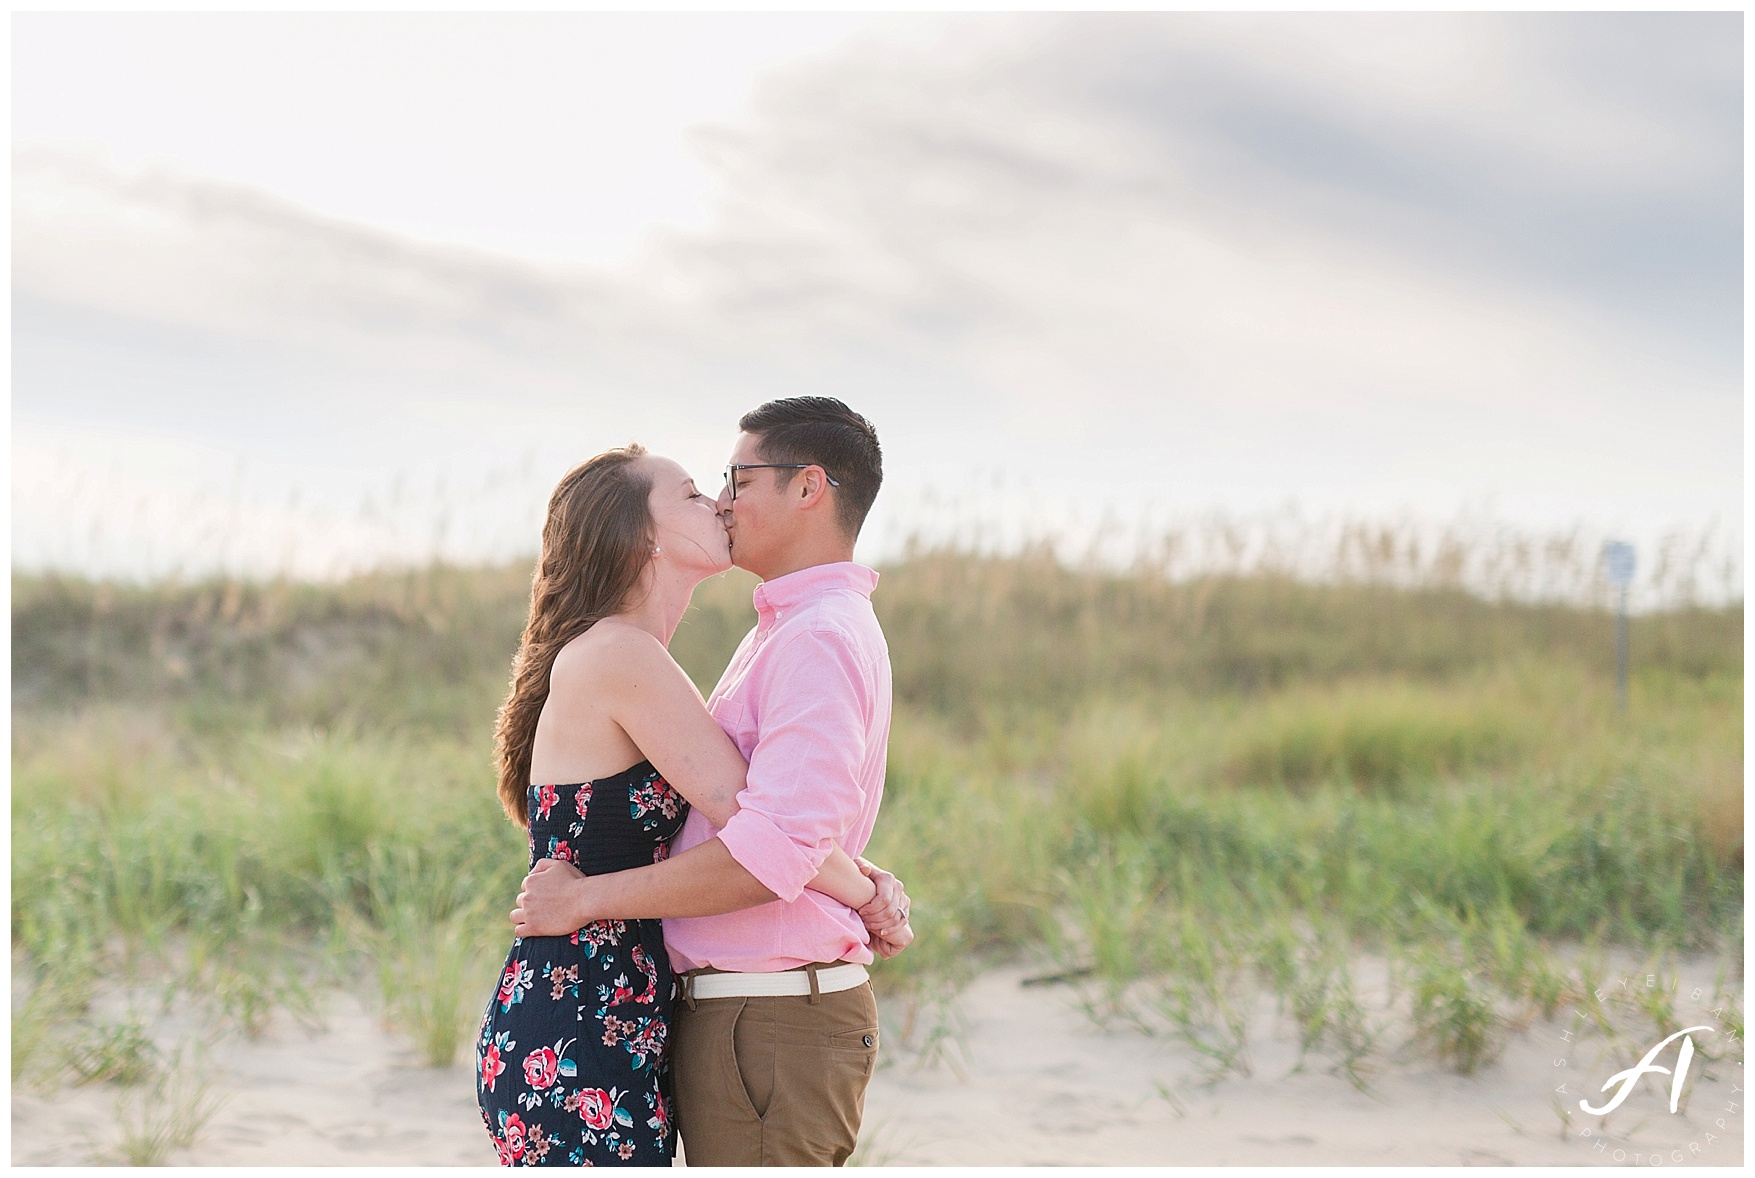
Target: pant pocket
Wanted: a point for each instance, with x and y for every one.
(749, 1054)
(819, 1101)
(858, 1039)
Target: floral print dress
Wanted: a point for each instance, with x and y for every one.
(572, 1063)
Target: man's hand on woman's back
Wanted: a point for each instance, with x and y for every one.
(549, 900)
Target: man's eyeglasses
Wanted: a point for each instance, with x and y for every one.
(731, 472)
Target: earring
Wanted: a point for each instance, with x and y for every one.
(656, 550)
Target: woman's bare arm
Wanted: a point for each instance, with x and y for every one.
(839, 878)
(656, 704)
(704, 880)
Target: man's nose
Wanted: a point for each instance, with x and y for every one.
(724, 500)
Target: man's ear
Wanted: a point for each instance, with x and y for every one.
(811, 486)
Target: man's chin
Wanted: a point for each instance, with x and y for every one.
(731, 552)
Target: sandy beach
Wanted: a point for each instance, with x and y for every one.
(1027, 1078)
(1045, 1088)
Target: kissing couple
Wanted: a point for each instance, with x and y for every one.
(691, 940)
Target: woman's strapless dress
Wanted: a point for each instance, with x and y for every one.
(572, 1063)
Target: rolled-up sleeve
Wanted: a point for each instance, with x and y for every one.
(803, 792)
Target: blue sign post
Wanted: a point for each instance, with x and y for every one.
(1618, 564)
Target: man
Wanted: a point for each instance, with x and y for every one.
(776, 1036)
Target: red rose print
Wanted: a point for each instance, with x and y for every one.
(515, 1136)
(541, 1067)
(518, 978)
(491, 1066)
(650, 972)
(595, 1108)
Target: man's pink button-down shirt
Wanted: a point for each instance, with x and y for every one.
(807, 699)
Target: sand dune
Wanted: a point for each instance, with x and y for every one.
(1039, 1084)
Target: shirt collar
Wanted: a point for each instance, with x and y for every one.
(782, 593)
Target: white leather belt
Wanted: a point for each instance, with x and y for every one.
(830, 979)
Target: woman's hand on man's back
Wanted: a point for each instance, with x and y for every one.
(886, 914)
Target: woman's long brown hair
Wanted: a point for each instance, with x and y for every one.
(597, 538)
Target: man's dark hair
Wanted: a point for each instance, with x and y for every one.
(823, 431)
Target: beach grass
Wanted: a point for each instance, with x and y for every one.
(1171, 792)
(164, 1112)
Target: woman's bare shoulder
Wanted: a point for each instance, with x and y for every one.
(608, 652)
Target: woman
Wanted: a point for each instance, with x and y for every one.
(603, 744)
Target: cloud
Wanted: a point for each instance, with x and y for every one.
(179, 249)
(1375, 259)
(1476, 153)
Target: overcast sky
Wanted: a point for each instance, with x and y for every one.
(309, 291)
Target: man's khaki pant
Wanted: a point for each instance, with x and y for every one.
(773, 1081)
